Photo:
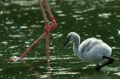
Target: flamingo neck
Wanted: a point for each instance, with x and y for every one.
(76, 45)
(77, 50)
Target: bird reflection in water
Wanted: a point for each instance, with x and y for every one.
(37, 73)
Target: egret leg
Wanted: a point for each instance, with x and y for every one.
(110, 61)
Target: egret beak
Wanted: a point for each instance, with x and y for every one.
(66, 41)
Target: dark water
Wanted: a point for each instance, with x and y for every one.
(21, 23)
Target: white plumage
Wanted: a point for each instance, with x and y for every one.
(91, 50)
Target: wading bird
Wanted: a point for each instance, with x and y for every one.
(91, 50)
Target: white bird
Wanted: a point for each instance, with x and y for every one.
(91, 50)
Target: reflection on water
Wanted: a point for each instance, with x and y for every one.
(22, 23)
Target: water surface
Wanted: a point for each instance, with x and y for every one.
(22, 23)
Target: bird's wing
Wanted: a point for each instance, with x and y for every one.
(89, 43)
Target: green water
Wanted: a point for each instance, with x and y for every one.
(21, 23)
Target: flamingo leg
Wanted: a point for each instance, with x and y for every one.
(52, 19)
(42, 10)
(47, 29)
(110, 61)
(27, 51)
(45, 19)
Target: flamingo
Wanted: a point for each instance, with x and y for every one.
(91, 50)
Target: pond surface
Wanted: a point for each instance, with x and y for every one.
(21, 23)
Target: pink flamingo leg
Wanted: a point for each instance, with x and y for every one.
(47, 29)
(52, 19)
(44, 34)
(43, 12)
(47, 41)
(26, 52)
